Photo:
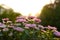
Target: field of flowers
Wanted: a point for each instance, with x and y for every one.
(27, 28)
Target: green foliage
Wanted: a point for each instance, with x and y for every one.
(47, 15)
(51, 15)
(8, 13)
(25, 30)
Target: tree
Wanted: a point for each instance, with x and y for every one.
(8, 13)
(47, 15)
(50, 15)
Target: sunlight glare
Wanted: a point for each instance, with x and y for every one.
(25, 7)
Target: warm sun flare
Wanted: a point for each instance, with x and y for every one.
(26, 7)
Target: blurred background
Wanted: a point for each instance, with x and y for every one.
(47, 10)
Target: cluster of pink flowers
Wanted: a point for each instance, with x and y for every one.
(21, 19)
(54, 30)
(37, 20)
(50, 28)
(18, 29)
(27, 25)
(26, 19)
(30, 25)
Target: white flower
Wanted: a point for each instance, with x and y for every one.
(5, 29)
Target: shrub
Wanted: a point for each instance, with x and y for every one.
(27, 28)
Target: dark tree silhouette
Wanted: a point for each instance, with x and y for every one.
(50, 14)
(8, 13)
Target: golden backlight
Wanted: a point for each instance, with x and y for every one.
(26, 7)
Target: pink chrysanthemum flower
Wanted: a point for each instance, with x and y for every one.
(21, 17)
(18, 29)
(53, 28)
(20, 20)
(57, 34)
(40, 26)
(30, 25)
(37, 20)
(2, 25)
(5, 19)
